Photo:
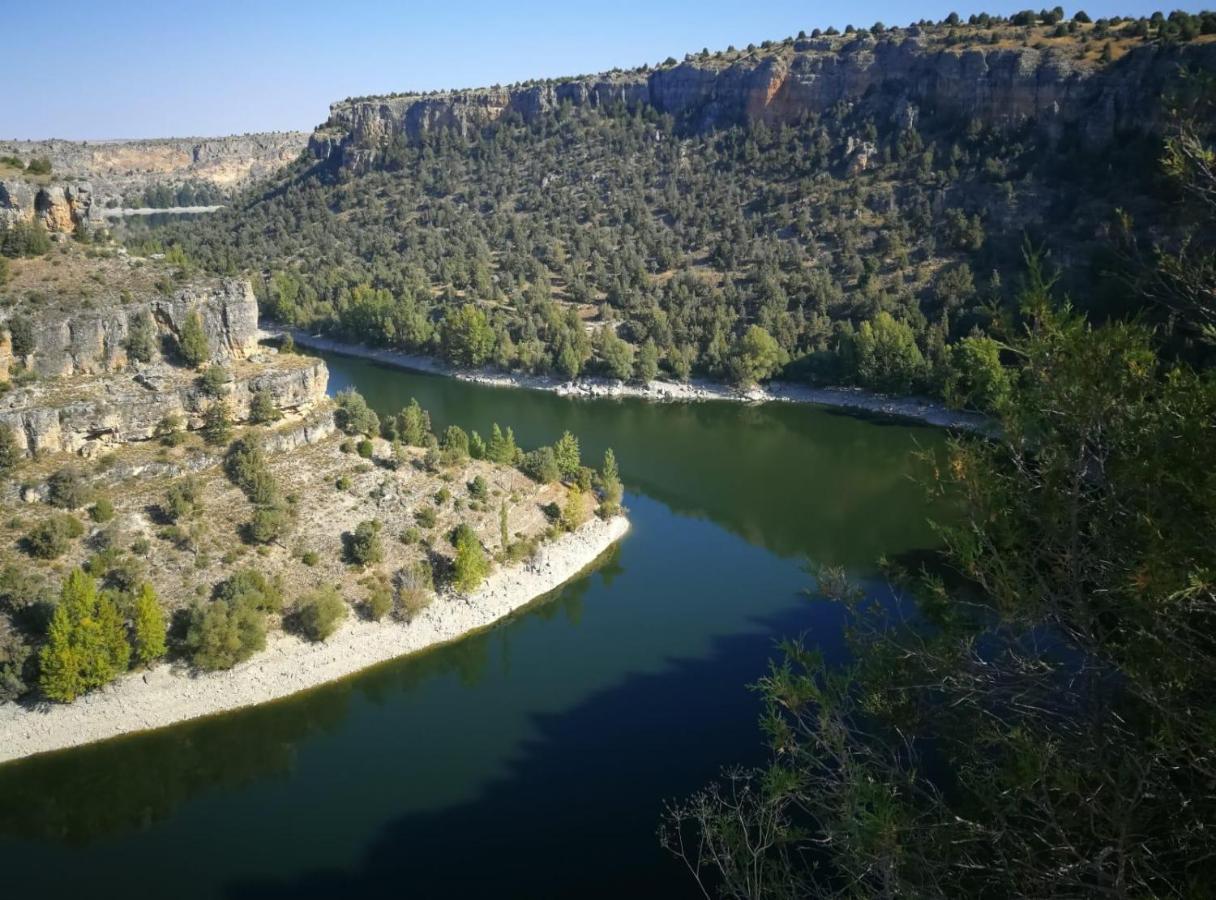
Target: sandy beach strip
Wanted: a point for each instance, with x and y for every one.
(919, 408)
(168, 694)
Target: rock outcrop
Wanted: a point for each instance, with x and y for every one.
(93, 341)
(120, 169)
(999, 86)
(59, 207)
(87, 415)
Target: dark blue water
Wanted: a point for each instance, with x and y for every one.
(531, 760)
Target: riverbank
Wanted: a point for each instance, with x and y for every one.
(858, 399)
(166, 695)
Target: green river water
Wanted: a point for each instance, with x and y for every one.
(531, 760)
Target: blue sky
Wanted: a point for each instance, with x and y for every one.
(153, 69)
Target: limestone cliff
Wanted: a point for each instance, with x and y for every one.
(119, 169)
(58, 342)
(999, 86)
(59, 207)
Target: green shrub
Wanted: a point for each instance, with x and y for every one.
(354, 416)
(320, 613)
(141, 339)
(379, 599)
(415, 589)
(470, 566)
(478, 489)
(425, 517)
(262, 410)
(541, 466)
(269, 524)
(251, 588)
(183, 499)
(67, 489)
(10, 453)
(363, 545)
(50, 539)
(217, 423)
(102, 510)
(192, 343)
(365, 448)
(221, 634)
(214, 380)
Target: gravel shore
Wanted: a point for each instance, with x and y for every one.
(918, 408)
(166, 694)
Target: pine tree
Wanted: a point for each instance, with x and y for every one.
(59, 675)
(192, 342)
(566, 452)
(610, 483)
(149, 626)
(470, 567)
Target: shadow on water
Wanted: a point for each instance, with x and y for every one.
(530, 760)
(557, 824)
(77, 797)
(797, 480)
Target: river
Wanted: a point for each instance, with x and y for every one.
(531, 760)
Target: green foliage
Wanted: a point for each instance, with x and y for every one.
(478, 488)
(365, 448)
(616, 354)
(10, 453)
(884, 356)
(52, 537)
(470, 565)
(192, 344)
(39, 165)
(148, 627)
(648, 361)
(1067, 686)
(566, 455)
(412, 425)
(541, 466)
(501, 448)
(21, 334)
(610, 484)
(102, 510)
(222, 633)
(320, 613)
(574, 510)
(86, 643)
(67, 489)
(262, 410)
(354, 416)
(466, 336)
(755, 356)
(25, 239)
(363, 546)
(379, 600)
(977, 379)
(477, 446)
(455, 444)
(270, 523)
(246, 467)
(217, 423)
(141, 338)
(415, 588)
(252, 589)
(215, 381)
(183, 500)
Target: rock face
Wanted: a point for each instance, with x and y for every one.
(125, 407)
(120, 168)
(87, 342)
(59, 207)
(1002, 87)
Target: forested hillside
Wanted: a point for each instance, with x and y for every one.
(868, 242)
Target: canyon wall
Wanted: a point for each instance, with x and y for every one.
(117, 169)
(1001, 87)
